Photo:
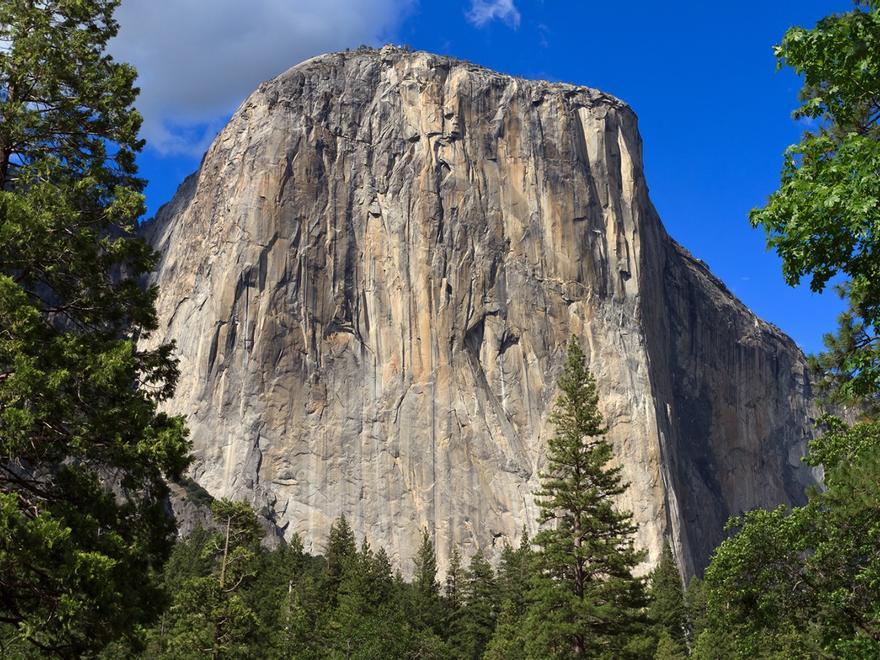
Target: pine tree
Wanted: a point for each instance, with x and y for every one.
(189, 559)
(668, 648)
(695, 601)
(514, 573)
(360, 625)
(454, 580)
(585, 600)
(341, 549)
(425, 589)
(480, 595)
(509, 639)
(268, 594)
(514, 576)
(83, 450)
(211, 617)
(425, 573)
(668, 610)
(303, 634)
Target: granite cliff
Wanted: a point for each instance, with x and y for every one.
(371, 281)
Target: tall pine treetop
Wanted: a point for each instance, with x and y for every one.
(668, 609)
(425, 574)
(576, 415)
(584, 599)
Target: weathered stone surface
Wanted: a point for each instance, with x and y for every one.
(372, 279)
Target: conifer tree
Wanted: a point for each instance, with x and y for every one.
(585, 601)
(514, 572)
(425, 573)
(509, 639)
(341, 549)
(303, 634)
(454, 580)
(210, 614)
(695, 601)
(83, 450)
(366, 622)
(668, 610)
(425, 589)
(189, 559)
(514, 575)
(453, 601)
(480, 595)
(268, 594)
(667, 648)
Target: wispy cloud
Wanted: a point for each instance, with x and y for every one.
(543, 35)
(483, 12)
(197, 61)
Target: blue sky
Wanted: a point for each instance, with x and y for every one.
(713, 111)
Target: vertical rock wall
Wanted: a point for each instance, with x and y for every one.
(372, 279)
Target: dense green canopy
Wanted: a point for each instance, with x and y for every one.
(83, 450)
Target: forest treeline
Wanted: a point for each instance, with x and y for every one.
(89, 561)
(352, 603)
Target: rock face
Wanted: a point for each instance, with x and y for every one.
(372, 279)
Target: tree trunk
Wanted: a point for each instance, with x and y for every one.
(5, 141)
(215, 651)
(225, 554)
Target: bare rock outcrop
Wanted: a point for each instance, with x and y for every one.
(371, 281)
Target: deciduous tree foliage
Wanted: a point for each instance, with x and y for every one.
(806, 582)
(83, 450)
(823, 221)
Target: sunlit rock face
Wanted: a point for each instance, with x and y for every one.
(372, 279)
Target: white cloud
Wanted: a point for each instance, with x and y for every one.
(543, 35)
(485, 11)
(198, 60)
